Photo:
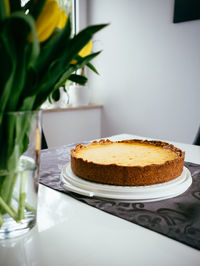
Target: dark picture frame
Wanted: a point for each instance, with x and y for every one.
(186, 10)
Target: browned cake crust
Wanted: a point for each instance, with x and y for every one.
(129, 175)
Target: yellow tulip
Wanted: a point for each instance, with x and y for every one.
(62, 20)
(50, 18)
(85, 51)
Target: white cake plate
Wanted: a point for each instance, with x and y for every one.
(156, 192)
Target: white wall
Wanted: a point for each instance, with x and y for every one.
(149, 79)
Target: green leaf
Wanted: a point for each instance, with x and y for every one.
(22, 54)
(82, 61)
(54, 47)
(5, 65)
(29, 24)
(60, 70)
(45, 86)
(92, 68)
(51, 55)
(6, 90)
(56, 95)
(82, 38)
(27, 103)
(78, 79)
(3, 12)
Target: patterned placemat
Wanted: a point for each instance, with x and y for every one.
(177, 218)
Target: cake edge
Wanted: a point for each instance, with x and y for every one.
(114, 174)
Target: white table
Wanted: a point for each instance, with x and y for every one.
(72, 233)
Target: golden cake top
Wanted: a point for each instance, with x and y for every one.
(127, 153)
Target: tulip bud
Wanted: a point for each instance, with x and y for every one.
(50, 18)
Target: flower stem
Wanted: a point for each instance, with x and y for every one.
(13, 182)
(1, 220)
(14, 211)
(28, 207)
(7, 208)
(22, 196)
(7, 189)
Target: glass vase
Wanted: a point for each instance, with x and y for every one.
(20, 138)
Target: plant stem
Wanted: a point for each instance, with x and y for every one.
(14, 211)
(7, 189)
(13, 182)
(7, 208)
(1, 220)
(22, 196)
(28, 207)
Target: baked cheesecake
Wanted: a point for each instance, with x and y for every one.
(128, 162)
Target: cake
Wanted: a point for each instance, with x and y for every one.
(128, 162)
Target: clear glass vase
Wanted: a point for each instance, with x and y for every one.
(20, 138)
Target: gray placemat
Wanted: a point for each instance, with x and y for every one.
(177, 218)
